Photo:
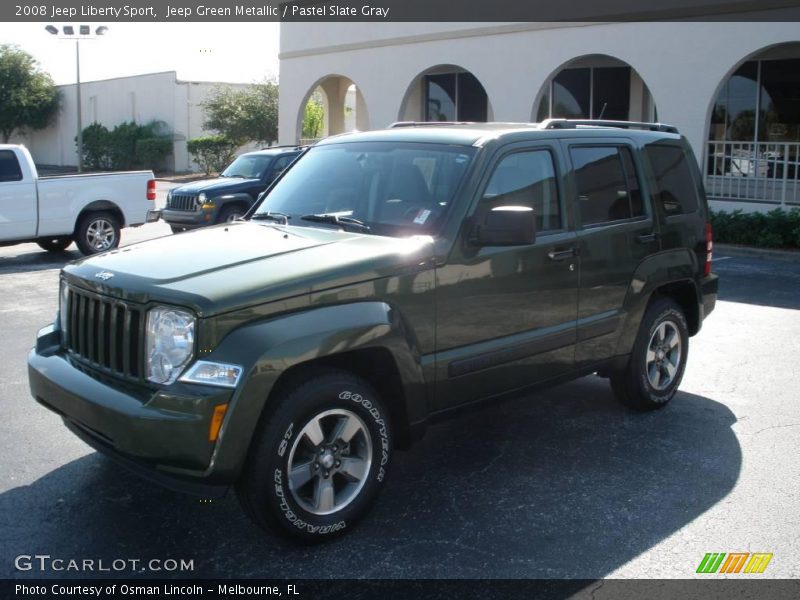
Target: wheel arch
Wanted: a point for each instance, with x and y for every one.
(367, 339)
(228, 200)
(100, 206)
(669, 274)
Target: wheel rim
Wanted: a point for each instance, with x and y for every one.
(664, 352)
(329, 462)
(234, 217)
(100, 234)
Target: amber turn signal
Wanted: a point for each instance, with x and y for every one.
(216, 422)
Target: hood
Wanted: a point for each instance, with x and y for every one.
(214, 186)
(228, 267)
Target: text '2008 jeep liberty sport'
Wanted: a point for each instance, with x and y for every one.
(390, 276)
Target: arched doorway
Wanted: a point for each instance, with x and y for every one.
(333, 105)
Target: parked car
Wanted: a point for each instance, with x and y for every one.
(388, 278)
(228, 197)
(55, 211)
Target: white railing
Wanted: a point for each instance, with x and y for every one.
(767, 172)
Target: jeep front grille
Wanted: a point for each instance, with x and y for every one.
(182, 202)
(105, 333)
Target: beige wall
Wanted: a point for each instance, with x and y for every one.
(141, 98)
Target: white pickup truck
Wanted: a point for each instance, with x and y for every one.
(55, 211)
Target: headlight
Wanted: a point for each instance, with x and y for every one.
(213, 373)
(201, 198)
(63, 314)
(170, 343)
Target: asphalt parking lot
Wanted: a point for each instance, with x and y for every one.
(563, 483)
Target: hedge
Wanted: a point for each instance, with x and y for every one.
(776, 229)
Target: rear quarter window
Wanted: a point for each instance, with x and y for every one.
(675, 188)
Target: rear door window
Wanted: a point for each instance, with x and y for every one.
(675, 189)
(608, 186)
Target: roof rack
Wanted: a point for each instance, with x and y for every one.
(428, 123)
(574, 123)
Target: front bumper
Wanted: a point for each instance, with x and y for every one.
(187, 218)
(163, 432)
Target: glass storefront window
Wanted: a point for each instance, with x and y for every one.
(571, 94)
(780, 100)
(455, 97)
(734, 114)
(588, 93)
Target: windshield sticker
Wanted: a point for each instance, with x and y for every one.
(422, 216)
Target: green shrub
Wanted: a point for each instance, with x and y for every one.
(121, 148)
(775, 229)
(96, 142)
(212, 152)
(152, 152)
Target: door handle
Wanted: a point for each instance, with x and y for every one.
(646, 238)
(559, 255)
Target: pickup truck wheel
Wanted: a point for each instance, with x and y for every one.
(230, 214)
(56, 244)
(97, 232)
(656, 365)
(319, 460)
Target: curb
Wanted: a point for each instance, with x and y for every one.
(762, 253)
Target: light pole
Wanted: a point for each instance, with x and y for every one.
(84, 33)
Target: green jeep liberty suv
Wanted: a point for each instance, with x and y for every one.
(388, 278)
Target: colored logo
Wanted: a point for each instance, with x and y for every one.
(734, 562)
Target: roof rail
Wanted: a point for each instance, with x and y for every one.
(293, 146)
(427, 123)
(573, 123)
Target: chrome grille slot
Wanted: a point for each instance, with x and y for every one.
(105, 333)
(182, 202)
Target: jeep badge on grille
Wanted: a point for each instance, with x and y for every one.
(104, 275)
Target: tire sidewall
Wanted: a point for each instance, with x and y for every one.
(663, 311)
(82, 240)
(271, 486)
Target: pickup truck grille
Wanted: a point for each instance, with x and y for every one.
(104, 333)
(182, 202)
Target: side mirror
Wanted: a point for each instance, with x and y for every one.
(505, 226)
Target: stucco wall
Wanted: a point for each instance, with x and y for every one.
(683, 64)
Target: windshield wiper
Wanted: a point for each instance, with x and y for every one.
(337, 220)
(271, 216)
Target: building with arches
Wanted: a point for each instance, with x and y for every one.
(732, 88)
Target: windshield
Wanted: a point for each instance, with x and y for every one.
(388, 188)
(248, 166)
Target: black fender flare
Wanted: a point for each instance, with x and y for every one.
(669, 268)
(267, 349)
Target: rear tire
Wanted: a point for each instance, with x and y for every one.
(56, 244)
(319, 460)
(658, 361)
(97, 232)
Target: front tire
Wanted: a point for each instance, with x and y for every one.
(231, 214)
(319, 460)
(97, 232)
(658, 361)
